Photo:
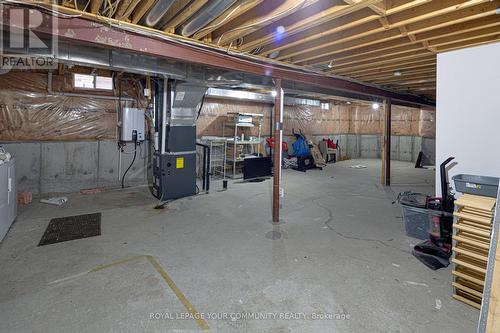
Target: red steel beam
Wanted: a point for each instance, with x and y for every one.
(83, 30)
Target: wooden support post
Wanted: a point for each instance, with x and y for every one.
(277, 150)
(386, 149)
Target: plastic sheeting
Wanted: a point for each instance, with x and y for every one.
(29, 113)
(405, 121)
(214, 112)
(339, 119)
(316, 121)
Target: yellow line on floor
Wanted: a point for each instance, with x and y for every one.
(201, 323)
(115, 263)
(180, 296)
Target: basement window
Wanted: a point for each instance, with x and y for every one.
(84, 81)
(102, 82)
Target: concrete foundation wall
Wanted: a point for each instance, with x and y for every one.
(51, 167)
(403, 148)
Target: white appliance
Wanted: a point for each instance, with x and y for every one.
(133, 120)
(8, 199)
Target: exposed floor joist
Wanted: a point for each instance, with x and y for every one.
(367, 40)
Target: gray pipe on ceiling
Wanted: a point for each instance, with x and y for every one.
(157, 12)
(206, 15)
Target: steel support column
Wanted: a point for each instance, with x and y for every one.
(278, 126)
(387, 142)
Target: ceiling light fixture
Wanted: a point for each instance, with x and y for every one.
(330, 64)
(397, 73)
(274, 93)
(375, 106)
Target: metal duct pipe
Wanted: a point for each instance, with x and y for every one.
(157, 12)
(206, 15)
(229, 94)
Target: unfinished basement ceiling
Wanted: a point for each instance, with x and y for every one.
(389, 43)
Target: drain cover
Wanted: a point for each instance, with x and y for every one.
(72, 227)
(273, 235)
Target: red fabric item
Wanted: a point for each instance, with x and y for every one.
(270, 143)
(330, 144)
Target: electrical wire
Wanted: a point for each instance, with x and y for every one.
(84, 8)
(195, 44)
(130, 166)
(201, 106)
(180, 40)
(161, 204)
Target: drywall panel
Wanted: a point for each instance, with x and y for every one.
(468, 110)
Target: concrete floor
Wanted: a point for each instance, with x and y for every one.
(341, 250)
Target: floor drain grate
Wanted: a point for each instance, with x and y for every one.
(68, 228)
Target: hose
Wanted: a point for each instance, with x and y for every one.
(130, 166)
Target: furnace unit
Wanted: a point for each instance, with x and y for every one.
(174, 162)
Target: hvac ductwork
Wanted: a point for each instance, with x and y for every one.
(157, 12)
(206, 15)
(186, 99)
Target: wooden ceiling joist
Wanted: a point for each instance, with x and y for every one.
(320, 48)
(268, 33)
(389, 72)
(378, 8)
(377, 43)
(469, 43)
(395, 66)
(258, 22)
(343, 59)
(388, 59)
(366, 40)
(345, 23)
(410, 79)
(404, 75)
(402, 65)
(477, 11)
(309, 22)
(466, 36)
(95, 5)
(430, 85)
